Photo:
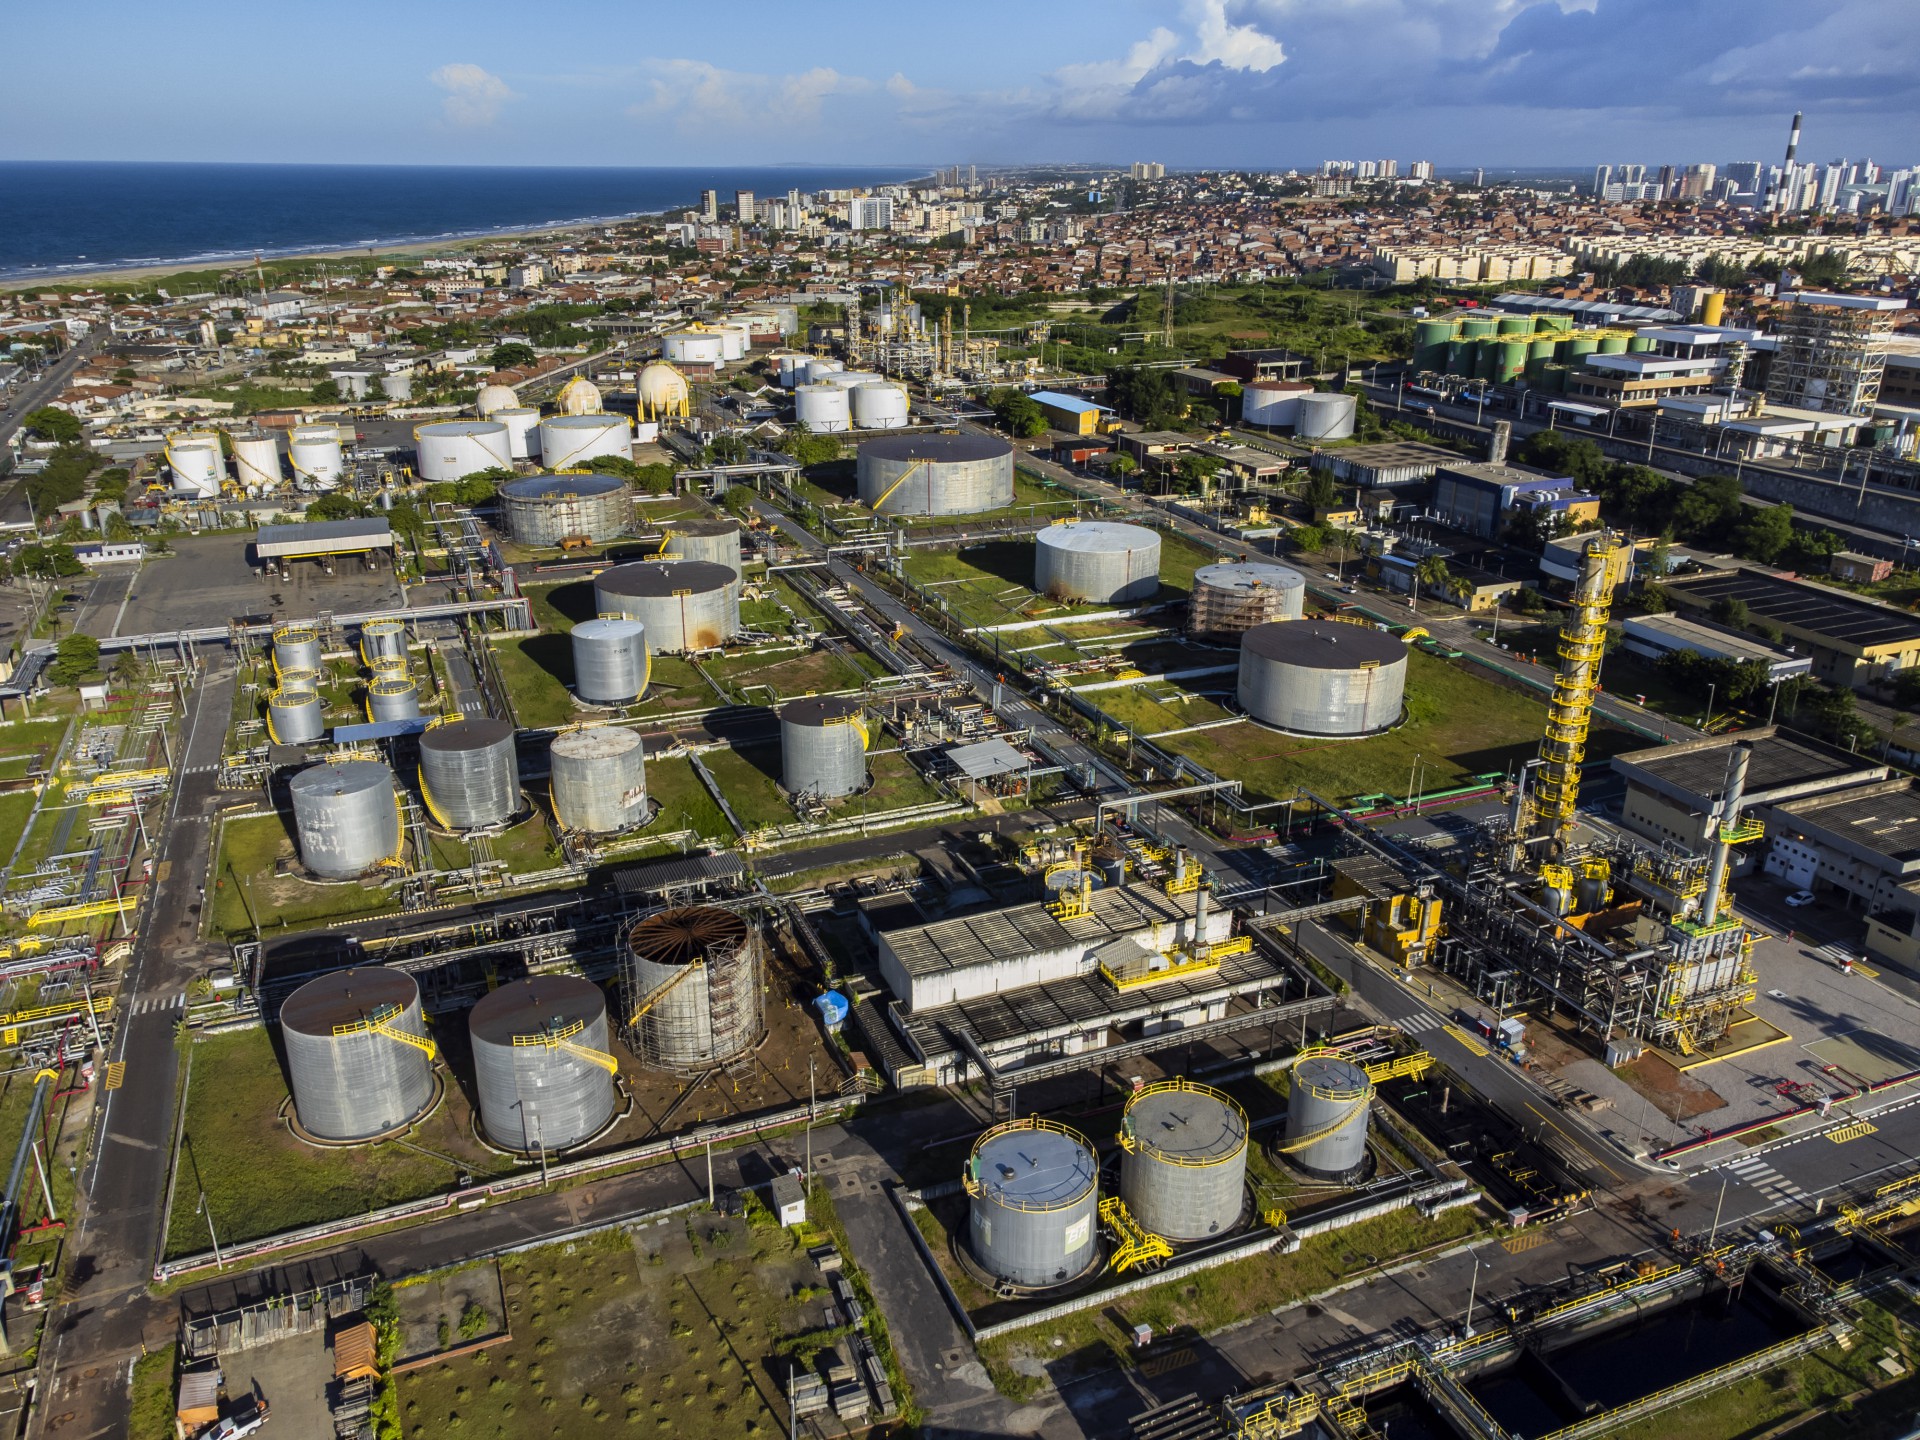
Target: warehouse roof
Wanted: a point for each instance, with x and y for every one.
(1072, 404)
(1829, 614)
(1783, 767)
(985, 759)
(1882, 819)
(1028, 929)
(322, 537)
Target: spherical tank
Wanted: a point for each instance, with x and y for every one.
(1097, 561)
(314, 453)
(693, 347)
(523, 430)
(823, 409)
(469, 775)
(715, 541)
(880, 406)
(579, 396)
(256, 462)
(610, 665)
(1033, 1194)
(598, 780)
(383, 640)
(534, 1042)
(1322, 677)
(294, 717)
(352, 1075)
(453, 449)
(393, 697)
(694, 976)
(935, 474)
(568, 442)
(196, 465)
(1327, 1117)
(296, 647)
(493, 398)
(1232, 599)
(1184, 1171)
(685, 604)
(1324, 416)
(345, 817)
(823, 746)
(547, 509)
(661, 390)
(1271, 402)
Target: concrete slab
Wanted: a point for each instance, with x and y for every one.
(292, 1376)
(208, 579)
(1873, 1057)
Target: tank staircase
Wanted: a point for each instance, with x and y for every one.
(1136, 1246)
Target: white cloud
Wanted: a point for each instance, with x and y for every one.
(696, 95)
(1238, 47)
(474, 95)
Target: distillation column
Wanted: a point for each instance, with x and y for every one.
(1583, 638)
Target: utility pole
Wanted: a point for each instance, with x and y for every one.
(810, 1094)
(206, 1214)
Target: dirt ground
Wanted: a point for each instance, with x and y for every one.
(445, 1299)
(1676, 1094)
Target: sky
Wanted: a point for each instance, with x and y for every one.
(1191, 83)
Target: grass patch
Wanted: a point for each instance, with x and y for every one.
(150, 1411)
(821, 875)
(536, 669)
(815, 672)
(685, 803)
(992, 583)
(246, 891)
(896, 785)
(16, 809)
(746, 778)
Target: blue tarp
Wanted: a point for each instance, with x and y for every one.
(833, 1009)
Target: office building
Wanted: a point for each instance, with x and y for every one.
(710, 206)
(870, 212)
(743, 206)
(1602, 177)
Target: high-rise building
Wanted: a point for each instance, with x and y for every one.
(1602, 177)
(1832, 351)
(1388, 169)
(743, 206)
(870, 212)
(1664, 182)
(1365, 170)
(1696, 182)
(1149, 170)
(1633, 174)
(710, 205)
(1479, 177)
(1745, 175)
(1421, 170)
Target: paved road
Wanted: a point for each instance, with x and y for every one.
(13, 505)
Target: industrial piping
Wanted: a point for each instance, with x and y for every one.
(1730, 804)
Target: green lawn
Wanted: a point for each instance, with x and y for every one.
(816, 672)
(747, 780)
(247, 893)
(992, 583)
(16, 808)
(896, 785)
(684, 802)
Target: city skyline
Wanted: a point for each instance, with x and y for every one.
(1254, 84)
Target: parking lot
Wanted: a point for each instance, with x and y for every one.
(207, 580)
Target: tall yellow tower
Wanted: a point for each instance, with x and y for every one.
(1583, 640)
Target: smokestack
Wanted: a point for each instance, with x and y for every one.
(1497, 442)
(1200, 908)
(1786, 170)
(1730, 802)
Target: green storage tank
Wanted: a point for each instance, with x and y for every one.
(1430, 339)
(1536, 370)
(1477, 327)
(1515, 325)
(1556, 322)
(1510, 361)
(1554, 379)
(1486, 359)
(1576, 348)
(1459, 358)
(1542, 347)
(1613, 344)
(1638, 344)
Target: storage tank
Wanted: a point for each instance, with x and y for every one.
(823, 409)
(790, 367)
(1033, 1194)
(345, 817)
(359, 1062)
(598, 781)
(685, 604)
(1324, 416)
(1513, 325)
(1430, 339)
(579, 396)
(1327, 1117)
(453, 449)
(1322, 677)
(1271, 402)
(1231, 599)
(469, 776)
(294, 717)
(715, 541)
(296, 647)
(542, 1071)
(1613, 344)
(692, 347)
(315, 455)
(1541, 348)
(1477, 327)
(935, 474)
(393, 697)
(1510, 358)
(493, 398)
(568, 442)
(610, 665)
(823, 746)
(1639, 344)
(297, 678)
(256, 463)
(819, 369)
(661, 391)
(735, 340)
(850, 380)
(694, 977)
(1183, 1172)
(879, 406)
(383, 640)
(547, 509)
(196, 464)
(1575, 348)
(523, 430)
(1097, 561)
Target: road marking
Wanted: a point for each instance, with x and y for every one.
(1578, 1148)
(1526, 1240)
(1473, 1046)
(1767, 1180)
(116, 1074)
(1854, 1131)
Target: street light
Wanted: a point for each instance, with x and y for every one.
(1473, 1288)
(1707, 723)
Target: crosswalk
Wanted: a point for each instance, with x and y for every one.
(1768, 1181)
(1419, 1024)
(151, 1003)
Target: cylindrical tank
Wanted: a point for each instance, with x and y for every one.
(851, 380)
(1576, 348)
(715, 541)
(694, 978)
(469, 776)
(1714, 308)
(1430, 339)
(196, 465)
(693, 347)
(1541, 348)
(1486, 359)
(256, 462)
(296, 647)
(456, 448)
(818, 369)
(935, 474)
(1184, 1170)
(397, 385)
(393, 697)
(1477, 327)
(610, 665)
(879, 407)
(1097, 561)
(1613, 344)
(1272, 402)
(1460, 357)
(345, 818)
(568, 442)
(1639, 344)
(685, 604)
(789, 367)
(1033, 1189)
(315, 455)
(383, 640)
(1324, 416)
(735, 340)
(1510, 358)
(1513, 325)
(298, 678)
(547, 509)
(1555, 321)
(535, 1071)
(492, 399)
(823, 746)
(523, 430)
(1327, 1117)
(824, 409)
(1554, 378)
(579, 396)
(1322, 677)
(352, 1075)
(598, 779)
(1232, 599)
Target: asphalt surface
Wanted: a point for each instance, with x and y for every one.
(30, 397)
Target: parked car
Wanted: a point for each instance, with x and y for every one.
(1799, 898)
(251, 1415)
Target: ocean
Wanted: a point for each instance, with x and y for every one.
(62, 218)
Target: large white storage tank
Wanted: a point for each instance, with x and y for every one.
(935, 474)
(823, 409)
(315, 455)
(523, 430)
(1323, 416)
(256, 463)
(454, 449)
(568, 442)
(1328, 1101)
(820, 369)
(1271, 402)
(610, 664)
(1097, 561)
(196, 463)
(541, 1067)
(345, 817)
(1322, 677)
(598, 779)
(684, 604)
(693, 347)
(735, 339)
(879, 406)
(790, 366)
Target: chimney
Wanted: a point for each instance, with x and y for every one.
(1730, 802)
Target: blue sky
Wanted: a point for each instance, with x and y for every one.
(1265, 83)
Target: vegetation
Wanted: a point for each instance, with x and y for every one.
(150, 1411)
(51, 423)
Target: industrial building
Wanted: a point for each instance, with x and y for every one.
(1392, 465)
(275, 545)
(1851, 641)
(1860, 845)
(1071, 413)
(1652, 636)
(1480, 499)
(935, 474)
(1832, 351)
(1672, 789)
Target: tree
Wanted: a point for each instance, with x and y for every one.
(325, 393)
(1198, 471)
(1731, 611)
(1020, 414)
(1638, 495)
(51, 423)
(1571, 455)
(336, 506)
(1148, 396)
(1766, 534)
(728, 449)
(75, 658)
(1125, 466)
(48, 562)
(809, 449)
(1707, 510)
(511, 356)
(1432, 572)
(1323, 491)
